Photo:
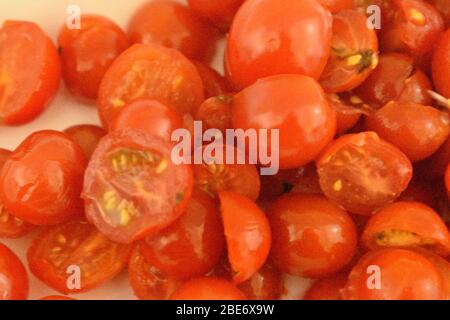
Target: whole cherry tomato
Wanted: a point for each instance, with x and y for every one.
(271, 37)
(41, 181)
(86, 136)
(327, 288)
(207, 288)
(88, 51)
(443, 266)
(266, 284)
(215, 113)
(441, 65)
(14, 278)
(363, 173)
(313, 237)
(338, 5)
(219, 12)
(213, 83)
(30, 71)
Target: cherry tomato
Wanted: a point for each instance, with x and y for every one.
(395, 79)
(447, 180)
(417, 130)
(150, 71)
(88, 51)
(348, 113)
(363, 173)
(354, 52)
(55, 251)
(444, 9)
(41, 180)
(150, 116)
(14, 278)
(338, 5)
(443, 266)
(132, 188)
(213, 83)
(173, 25)
(219, 12)
(215, 113)
(295, 105)
(441, 65)
(60, 298)
(327, 288)
(400, 274)
(248, 235)
(29, 71)
(207, 288)
(147, 282)
(266, 284)
(271, 37)
(313, 238)
(86, 136)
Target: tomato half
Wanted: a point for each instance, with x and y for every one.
(441, 65)
(266, 284)
(213, 83)
(348, 113)
(327, 288)
(219, 12)
(208, 288)
(14, 278)
(86, 136)
(30, 71)
(132, 188)
(215, 113)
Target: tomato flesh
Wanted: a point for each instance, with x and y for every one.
(13, 276)
(207, 288)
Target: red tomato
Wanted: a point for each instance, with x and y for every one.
(219, 12)
(192, 245)
(363, 173)
(338, 5)
(56, 250)
(207, 288)
(215, 113)
(295, 105)
(248, 235)
(266, 284)
(86, 136)
(213, 83)
(150, 71)
(132, 188)
(60, 298)
(313, 238)
(441, 65)
(41, 181)
(271, 37)
(87, 52)
(434, 167)
(447, 180)
(444, 9)
(348, 113)
(402, 275)
(147, 282)
(150, 116)
(327, 288)
(29, 71)
(173, 25)
(14, 278)
(443, 267)
(354, 52)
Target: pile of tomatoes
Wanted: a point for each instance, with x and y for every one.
(361, 203)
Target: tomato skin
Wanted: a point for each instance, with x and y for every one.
(266, 284)
(441, 65)
(278, 37)
(443, 7)
(60, 298)
(219, 12)
(314, 238)
(405, 275)
(447, 180)
(86, 136)
(38, 71)
(207, 288)
(87, 53)
(338, 5)
(294, 104)
(173, 25)
(347, 114)
(417, 130)
(328, 288)
(215, 113)
(192, 245)
(213, 83)
(14, 277)
(53, 165)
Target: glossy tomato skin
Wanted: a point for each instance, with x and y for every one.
(278, 37)
(48, 167)
(266, 284)
(363, 173)
(417, 130)
(441, 65)
(31, 72)
(295, 105)
(213, 82)
(338, 5)
(327, 288)
(215, 113)
(87, 53)
(191, 246)
(132, 189)
(86, 136)
(405, 275)
(219, 12)
(314, 238)
(173, 25)
(14, 276)
(207, 288)
(348, 113)
(150, 71)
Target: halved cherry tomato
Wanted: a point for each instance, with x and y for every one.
(75, 248)
(132, 188)
(219, 12)
(394, 274)
(14, 278)
(266, 284)
(150, 71)
(86, 136)
(348, 113)
(147, 282)
(213, 83)
(173, 25)
(215, 113)
(208, 288)
(272, 37)
(88, 51)
(338, 5)
(150, 116)
(327, 288)
(354, 52)
(417, 130)
(60, 298)
(313, 237)
(441, 65)
(248, 235)
(295, 105)
(192, 245)
(42, 179)
(30, 71)
(407, 224)
(363, 173)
